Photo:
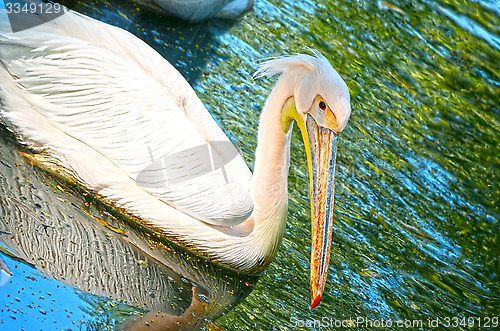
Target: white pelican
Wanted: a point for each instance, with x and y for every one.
(100, 107)
(197, 10)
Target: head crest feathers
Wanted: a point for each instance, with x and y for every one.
(311, 75)
(279, 65)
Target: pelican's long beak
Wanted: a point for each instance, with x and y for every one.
(322, 152)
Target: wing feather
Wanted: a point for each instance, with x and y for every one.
(104, 95)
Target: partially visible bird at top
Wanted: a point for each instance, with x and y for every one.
(198, 10)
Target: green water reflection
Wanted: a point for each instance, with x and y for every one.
(417, 196)
(417, 199)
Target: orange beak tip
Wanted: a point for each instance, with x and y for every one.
(316, 301)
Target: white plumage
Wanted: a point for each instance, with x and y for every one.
(103, 108)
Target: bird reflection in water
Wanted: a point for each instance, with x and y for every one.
(71, 236)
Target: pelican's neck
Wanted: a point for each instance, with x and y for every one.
(270, 179)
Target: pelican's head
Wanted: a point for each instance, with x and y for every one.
(318, 100)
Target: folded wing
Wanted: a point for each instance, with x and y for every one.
(128, 104)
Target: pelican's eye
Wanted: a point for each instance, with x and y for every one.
(322, 105)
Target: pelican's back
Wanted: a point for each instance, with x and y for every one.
(119, 119)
